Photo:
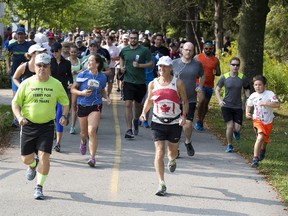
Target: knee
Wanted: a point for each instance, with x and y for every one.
(28, 159)
(159, 154)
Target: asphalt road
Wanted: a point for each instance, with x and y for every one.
(124, 181)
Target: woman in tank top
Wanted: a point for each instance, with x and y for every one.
(76, 67)
(27, 69)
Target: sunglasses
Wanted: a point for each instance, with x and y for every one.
(237, 65)
(42, 65)
(133, 38)
(53, 51)
(206, 48)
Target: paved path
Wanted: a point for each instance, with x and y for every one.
(124, 181)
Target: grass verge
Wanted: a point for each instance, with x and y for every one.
(6, 118)
(275, 165)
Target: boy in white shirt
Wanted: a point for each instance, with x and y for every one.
(263, 101)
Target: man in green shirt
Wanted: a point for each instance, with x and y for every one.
(34, 107)
(133, 60)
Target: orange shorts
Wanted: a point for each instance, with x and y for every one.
(262, 128)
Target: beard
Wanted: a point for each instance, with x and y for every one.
(208, 53)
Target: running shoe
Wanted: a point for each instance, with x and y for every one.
(190, 149)
(236, 135)
(255, 162)
(172, 165)
(262, 154)
(72, 130)
(129, 134)
(135, 127)
(161, 190)
(31, 172)
(199, 126)
(83, 148)
(57, 147)
(146, 124)
(229, 148)
(38, 192)
(118, 90)
(92, 162)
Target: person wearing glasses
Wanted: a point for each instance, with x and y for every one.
(133, 60)
(188, 70)
(61, 70)
(211, 67)
(34, 107)
(231, 105)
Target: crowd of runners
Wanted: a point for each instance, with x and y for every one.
(68, 77)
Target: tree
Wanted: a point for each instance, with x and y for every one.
(251, 36)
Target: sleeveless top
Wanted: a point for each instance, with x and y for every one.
(27, 73)
(166, 109)
(76, 67)
(209, 64)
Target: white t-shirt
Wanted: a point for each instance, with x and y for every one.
(263, 113)
(114, 52)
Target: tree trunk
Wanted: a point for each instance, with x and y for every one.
(251, 36)
(218, 30)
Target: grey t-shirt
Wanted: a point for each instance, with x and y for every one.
(188, 73)
(233, 87)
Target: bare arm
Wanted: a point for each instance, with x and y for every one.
(269, 104)
(17, 113)
(218, 70)
(248, 112)
(217, 93)
(18, 73)
(149, 64)
(148, 102)
(74, 90)
(185, 105)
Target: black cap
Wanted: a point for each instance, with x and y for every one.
(56, 46)
(93, 42)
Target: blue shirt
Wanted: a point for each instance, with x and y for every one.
(18, 51)
(97, 82)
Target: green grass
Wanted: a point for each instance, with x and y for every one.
(275, 165)
(6, 118)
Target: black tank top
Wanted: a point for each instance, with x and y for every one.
(27, 73)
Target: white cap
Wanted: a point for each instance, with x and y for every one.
(147, 32)
(42, 58)
(125, 36)
(165, 60)
(82, 33)
(35, 48)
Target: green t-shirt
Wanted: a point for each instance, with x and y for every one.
(132, 74)
(38, 99)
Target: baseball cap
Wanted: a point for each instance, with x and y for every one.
(125, 36)
(51, 35)
(20, 30)
(113, 32)
(42, 58)
(56, 46)
(70, 33)
(35, 48)
(78, 39)
(82, 33)
(165, 60)
(93, 42)
(147, 32)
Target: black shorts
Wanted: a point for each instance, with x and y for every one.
(110, 77)
(134, 91)
(232, 114)
(37, 137)
(172, 133)
(83, 111)
(191, 111)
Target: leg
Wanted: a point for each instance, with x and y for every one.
(229, 131)
(188, 131)
(93, 123)
(83, 122)
(201, 100)
(258, 144)
(73, 113)
(159, 159)
(128, 113)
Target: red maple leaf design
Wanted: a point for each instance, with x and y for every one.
(164, 108)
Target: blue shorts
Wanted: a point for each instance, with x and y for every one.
(207, 90)
(14, 87)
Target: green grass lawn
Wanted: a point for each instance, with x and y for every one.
(6, 118)
(275, 165)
